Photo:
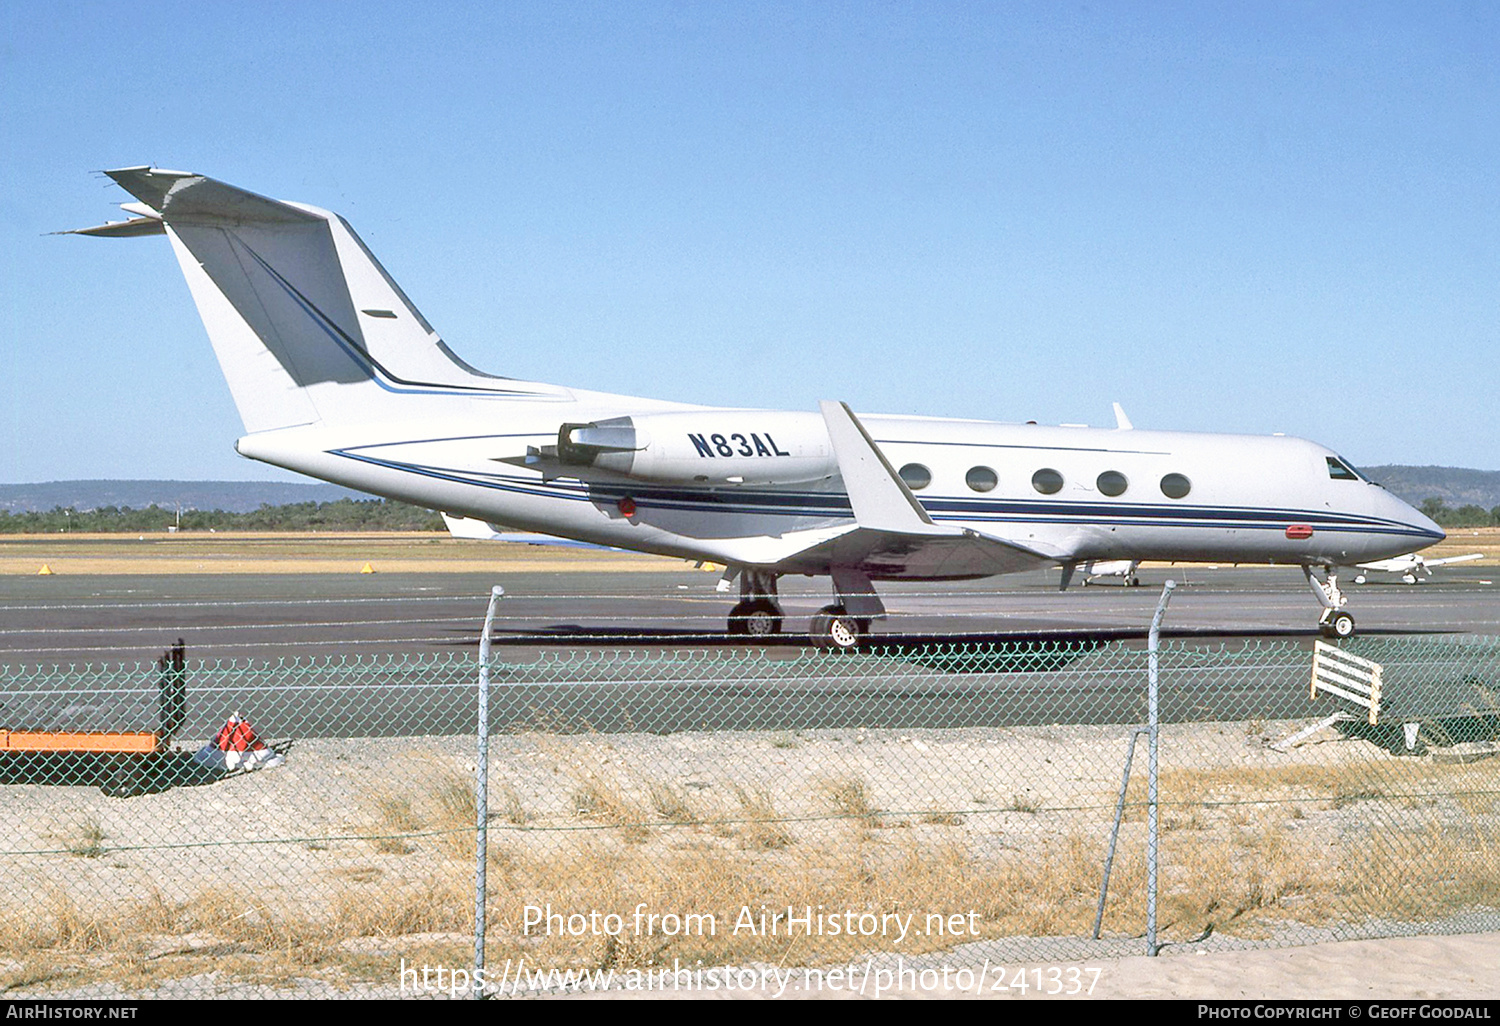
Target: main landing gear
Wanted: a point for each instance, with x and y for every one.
(841, 626)
(833, 628)
(758, 613)
(1335, 621)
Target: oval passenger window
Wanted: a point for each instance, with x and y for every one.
(1112, 482)
(916, 476)
(1175, 486)
(1047, 481)
(981, 479)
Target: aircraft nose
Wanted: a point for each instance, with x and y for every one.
(1423, 522)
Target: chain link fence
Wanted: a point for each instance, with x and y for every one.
(735, 806)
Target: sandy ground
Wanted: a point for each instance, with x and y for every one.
(303, 553)
(1024, 791)
(1399, 969)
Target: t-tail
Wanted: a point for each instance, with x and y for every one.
(307, 326)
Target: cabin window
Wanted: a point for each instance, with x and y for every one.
(981, 479)
(916, 476)
(1112, 482)
(1341, 471)
(1175, 486)
(1047, 481)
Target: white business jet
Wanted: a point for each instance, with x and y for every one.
(337, 376)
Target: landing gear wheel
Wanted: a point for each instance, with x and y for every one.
(1339, 625)
(833, 628)
(756, 618)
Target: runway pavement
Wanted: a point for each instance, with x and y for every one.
(92, 619)
(622, 651)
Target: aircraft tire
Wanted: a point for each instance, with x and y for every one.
(834, 629)
(1341, 625)
(755, 618)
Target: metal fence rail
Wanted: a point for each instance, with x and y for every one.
(651, 808)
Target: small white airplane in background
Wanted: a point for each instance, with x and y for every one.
(1098, 569)
(336, 375)
(1410, 566)
(477, 530)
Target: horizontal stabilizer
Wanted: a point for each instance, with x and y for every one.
(123, 229)
(184, 198)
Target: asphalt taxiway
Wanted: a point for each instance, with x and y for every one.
(61, 620)
(629, 651)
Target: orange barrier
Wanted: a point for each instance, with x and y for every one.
(77, 741)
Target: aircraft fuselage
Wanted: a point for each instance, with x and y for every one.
(1239, 498)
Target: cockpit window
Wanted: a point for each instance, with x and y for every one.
(1341, 471)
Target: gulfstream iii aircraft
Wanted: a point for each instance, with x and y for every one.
(337, 376)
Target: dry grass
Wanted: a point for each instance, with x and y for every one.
(1246, 851)
(512, 810)
(395, 821)
(763, 828)
(84, 838)
(937, 818)
(301, 552)
(598, 796)
(457, 810)
(1025, 803)
(850, 797)
(1241, 880)
(436, 809)
(671, 804)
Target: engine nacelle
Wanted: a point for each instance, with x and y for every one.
(717, 447)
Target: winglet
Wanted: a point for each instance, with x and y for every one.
(879, 497)
(1122, 422)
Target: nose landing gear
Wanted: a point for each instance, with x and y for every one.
(1335, 621)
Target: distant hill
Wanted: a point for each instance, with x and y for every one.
(1454, 485)
(231, 496)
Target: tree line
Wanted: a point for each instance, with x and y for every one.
(1463, 516)
(342, 515)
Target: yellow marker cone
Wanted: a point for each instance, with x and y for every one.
(45, 571)
(367, 569)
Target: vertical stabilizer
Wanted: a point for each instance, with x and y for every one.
(305, 322)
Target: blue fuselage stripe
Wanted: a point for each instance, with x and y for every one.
(836, 505)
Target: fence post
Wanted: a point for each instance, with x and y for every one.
(482, 794)
(1153, 723)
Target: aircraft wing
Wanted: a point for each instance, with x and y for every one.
(1415, 561)
(893, 536)
(883, 554)
(1453, 559)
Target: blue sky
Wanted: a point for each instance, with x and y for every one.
(1250, 217)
